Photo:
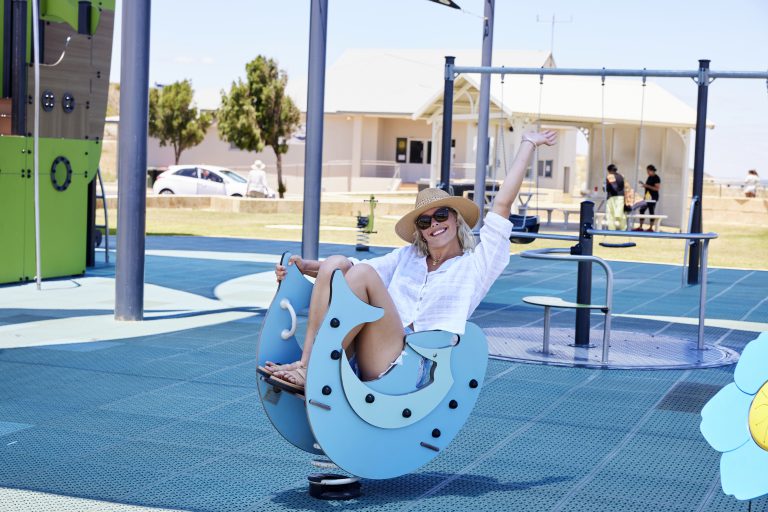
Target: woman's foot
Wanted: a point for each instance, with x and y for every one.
(275, 367)
(291, 380)
(270, 368)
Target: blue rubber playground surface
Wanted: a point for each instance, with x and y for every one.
(164, 414)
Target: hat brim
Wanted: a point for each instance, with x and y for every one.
(406, 226)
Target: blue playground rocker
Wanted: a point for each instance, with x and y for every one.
(377, 429)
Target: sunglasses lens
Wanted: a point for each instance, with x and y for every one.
(424, 222)
(441, 214)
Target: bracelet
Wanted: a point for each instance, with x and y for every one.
(529, 140)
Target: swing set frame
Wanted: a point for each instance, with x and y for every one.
(703, 77)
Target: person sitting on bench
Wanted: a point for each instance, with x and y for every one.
(652, 186)
(435, 283)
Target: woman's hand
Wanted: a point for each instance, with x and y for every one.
(546, 137)
(281, 271)
(502, 205)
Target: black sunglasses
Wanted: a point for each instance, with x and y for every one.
(440, 215)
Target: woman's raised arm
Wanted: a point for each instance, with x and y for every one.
(511, 186)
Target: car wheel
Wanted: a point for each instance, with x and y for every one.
(166, 192)
(237, 195)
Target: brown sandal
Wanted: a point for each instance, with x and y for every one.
(290, 380)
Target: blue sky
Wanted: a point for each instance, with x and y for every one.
(210, 42)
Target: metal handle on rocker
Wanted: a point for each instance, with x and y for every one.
(287, 333)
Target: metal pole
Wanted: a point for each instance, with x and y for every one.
(584, 275)
(445, 149)
(698, 169)
(703, 294)
(313, 149)
(483, 142)
(132, 161)
(547, 317)
(36, 53)
(19, 68)
(608, 310)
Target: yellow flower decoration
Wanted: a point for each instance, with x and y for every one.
(758, 418)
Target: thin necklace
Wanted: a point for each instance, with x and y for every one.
(435, 261)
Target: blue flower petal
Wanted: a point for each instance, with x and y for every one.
(724, 419)
(743, 472)
(752, 369)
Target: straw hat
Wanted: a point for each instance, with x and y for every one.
(258, 165)
(434, 198)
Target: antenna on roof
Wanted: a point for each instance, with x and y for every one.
(553, 20)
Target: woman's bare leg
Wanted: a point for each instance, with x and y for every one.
(318, 303)
(377, 343)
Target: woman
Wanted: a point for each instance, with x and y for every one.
(434, 283)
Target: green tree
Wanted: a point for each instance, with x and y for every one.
(258, 113)
(173, 120)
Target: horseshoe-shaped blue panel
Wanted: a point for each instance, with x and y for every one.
(369, 451)
(286, 411)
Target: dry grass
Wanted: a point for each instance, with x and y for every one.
(737, 246)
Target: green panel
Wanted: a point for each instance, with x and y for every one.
(98, 6)
(94, 155)
(66, 11)
(63, 214)
(13, 208)
(60, 11)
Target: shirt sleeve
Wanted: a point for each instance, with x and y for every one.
(385, 265)
(492, 253)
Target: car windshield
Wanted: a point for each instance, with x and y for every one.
(233, 176)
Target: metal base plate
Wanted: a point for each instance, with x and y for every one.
(628, 349)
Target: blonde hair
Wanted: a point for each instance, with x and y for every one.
(463, 232)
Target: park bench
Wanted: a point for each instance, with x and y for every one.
(601, 224)
(566, 210)
(631, 218)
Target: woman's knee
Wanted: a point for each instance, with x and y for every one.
(360, 274)
(332, 263)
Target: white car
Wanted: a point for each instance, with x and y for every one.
(200, 180)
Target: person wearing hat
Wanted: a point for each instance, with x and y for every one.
(257, 181)
(433, 283)
(614, 205)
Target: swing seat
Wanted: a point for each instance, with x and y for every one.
(524, 224)
(618, 245)
(375, 429)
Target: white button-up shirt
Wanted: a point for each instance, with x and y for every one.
(445, 298)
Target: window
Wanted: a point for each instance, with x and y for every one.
(233, 176)
(545, 168)
(416, 152)
(400, 149)
(215, 178)
(189, 173)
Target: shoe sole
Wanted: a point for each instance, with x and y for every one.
(285, 385)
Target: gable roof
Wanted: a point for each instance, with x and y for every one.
(398, 81)
(573, 99)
